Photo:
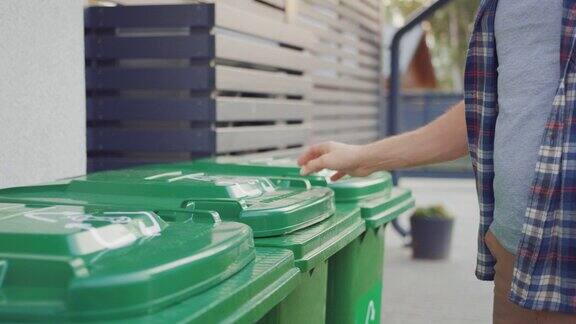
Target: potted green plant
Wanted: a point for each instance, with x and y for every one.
(431, 232)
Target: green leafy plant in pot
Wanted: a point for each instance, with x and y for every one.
(431, 232)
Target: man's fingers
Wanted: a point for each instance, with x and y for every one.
(312, 153)
(337, 176)
(315, 165)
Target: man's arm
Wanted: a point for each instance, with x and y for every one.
(442, 140)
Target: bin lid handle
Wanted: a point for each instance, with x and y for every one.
(292, 182)
(200, 215)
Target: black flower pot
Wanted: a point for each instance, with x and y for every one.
(431, 237)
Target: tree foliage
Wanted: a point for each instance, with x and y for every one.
(447, 34)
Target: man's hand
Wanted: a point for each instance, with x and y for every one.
(346, 159)
(442, 140)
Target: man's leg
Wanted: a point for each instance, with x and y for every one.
(506, 312)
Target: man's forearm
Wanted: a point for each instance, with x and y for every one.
(442, 140)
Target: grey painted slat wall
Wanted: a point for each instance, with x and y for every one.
(346, 79)
(286, 72)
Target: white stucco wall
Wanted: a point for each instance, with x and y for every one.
(42, 97)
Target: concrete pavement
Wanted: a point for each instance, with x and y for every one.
(443, 292)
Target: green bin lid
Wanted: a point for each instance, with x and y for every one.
(317, 243)
(382, 210)
(243, 298)
(73, 262)
(348, 189)
(269, 206)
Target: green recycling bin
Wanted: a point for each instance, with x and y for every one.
(313, 249)
(355, 272)
(349, 189)
(65, 263)
(283, 213)
(269, 206)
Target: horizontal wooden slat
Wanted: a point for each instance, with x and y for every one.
(362, 72)
(250, 23)
(200, 140)
(323, 49)
(374, 4)
(197, 78)
(345, 83)
(354, 137)
(195, 46)
(245, 50)
(234, 139)
(150, 109)
(349, 14)
(256, 8)
(363, 9)
(161, 16)
(248, 80)
(276, 3)
(368, 48)
(367, 74)
(137, 2)
(344, 124)
(288, 153)
(320, 95)
(155, 31)
(322, 111)
(308, 11)
(343, 36)
(205, 109)
(341, 40)
(100, 163)
(369, 61)
(250, 109)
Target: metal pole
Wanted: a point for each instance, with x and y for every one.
(394, 91)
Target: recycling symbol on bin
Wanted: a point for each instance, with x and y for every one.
(370, 313)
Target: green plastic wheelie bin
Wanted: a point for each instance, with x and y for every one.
(313, 249)
(348, 189)
(269, 206)
(66, 263)
(355, 273)
(283, 213)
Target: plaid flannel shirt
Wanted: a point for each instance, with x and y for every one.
(545, 271)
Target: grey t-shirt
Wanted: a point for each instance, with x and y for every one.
(528, 47)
